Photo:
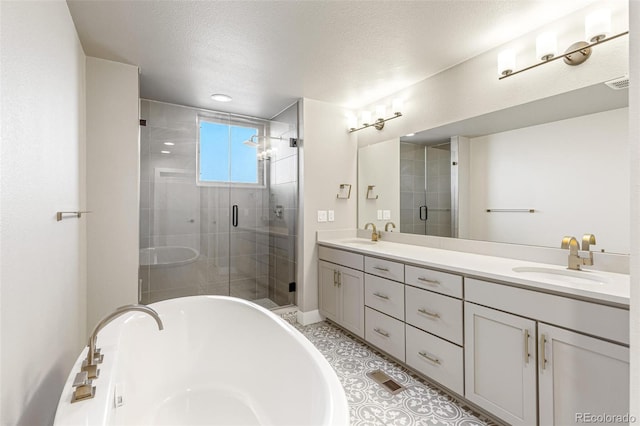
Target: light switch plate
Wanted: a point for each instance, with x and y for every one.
(386, 214)
(322, 215)
(379, 214)
(331, 215)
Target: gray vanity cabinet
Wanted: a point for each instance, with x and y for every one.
(580, 376)
(341, 289)
(513, 356)
(500, 363)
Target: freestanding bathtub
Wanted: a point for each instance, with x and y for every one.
(218, 361)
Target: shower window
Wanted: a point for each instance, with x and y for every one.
(228, 154)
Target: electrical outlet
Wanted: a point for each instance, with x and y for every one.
(379, 214)
(322, 215)
(386, 214)
(332, 215)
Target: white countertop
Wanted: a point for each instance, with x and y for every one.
(598, 286)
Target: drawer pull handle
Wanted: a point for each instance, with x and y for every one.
(431, 314)
(381, 332)
(428, 357)
(428, 281)
(380, 268)
(381, 296)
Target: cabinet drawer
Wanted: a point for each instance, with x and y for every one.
(384, 268)
(437, 359)
(341, 257)
(384, 332)
(435, 313)
(440, 282)
(384, 295)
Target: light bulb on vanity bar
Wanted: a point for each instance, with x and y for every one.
(506, 62)
(597, 25)
(546, 46)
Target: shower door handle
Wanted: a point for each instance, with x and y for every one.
(234, 215)
(426, 213)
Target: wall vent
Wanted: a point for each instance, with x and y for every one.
(618, 83)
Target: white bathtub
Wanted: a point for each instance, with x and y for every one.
(218, 361)
(159, 257)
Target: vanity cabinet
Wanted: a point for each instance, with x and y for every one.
(341, 289)
(580, 374)
(513, 358)
(526, 356)
(500, 363)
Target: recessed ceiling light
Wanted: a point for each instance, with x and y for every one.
(221, 97)
(166, 152)
(169, 143)
(410, 134)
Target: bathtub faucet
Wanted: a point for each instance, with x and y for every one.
(90, 365)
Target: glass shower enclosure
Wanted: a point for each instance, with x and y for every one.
(218, 205)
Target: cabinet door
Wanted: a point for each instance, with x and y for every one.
(329, 291)
(580, 376)
(500, 363)
(351, 286)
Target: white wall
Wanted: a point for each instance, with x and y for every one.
(573, 172)
(472, 88)
(379, 165)
(634, 143)
(327, 158)
(43, 308)
(112, 186)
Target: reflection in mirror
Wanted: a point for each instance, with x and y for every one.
(425, 189)
(563, 157)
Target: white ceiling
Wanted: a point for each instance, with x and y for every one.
(267, 54)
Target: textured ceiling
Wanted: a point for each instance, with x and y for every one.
(267, 54)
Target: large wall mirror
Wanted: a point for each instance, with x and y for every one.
(525, 175)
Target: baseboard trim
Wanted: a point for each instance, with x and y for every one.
(311, 317)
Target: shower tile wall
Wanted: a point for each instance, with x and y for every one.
(412, 188)
(439, 190)
(283, 208)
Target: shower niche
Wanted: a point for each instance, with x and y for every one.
(218, 205)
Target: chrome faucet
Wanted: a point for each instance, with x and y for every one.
(374, 233)
(386, 227)
(93, 356)
(575, 261)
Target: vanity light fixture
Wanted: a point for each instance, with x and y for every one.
(165, 152)
(597, 30)
(367, 120)
(169, 143)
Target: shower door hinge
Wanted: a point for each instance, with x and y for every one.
(292, 287)
(293, 142)
(143, 122)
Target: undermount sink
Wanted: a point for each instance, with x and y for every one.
(359, 241)
(564, 275)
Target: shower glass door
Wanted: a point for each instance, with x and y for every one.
(211, 209)
(425, 189)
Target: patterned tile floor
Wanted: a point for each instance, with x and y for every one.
(370, 404)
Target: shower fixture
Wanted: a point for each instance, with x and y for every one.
(255, 143)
